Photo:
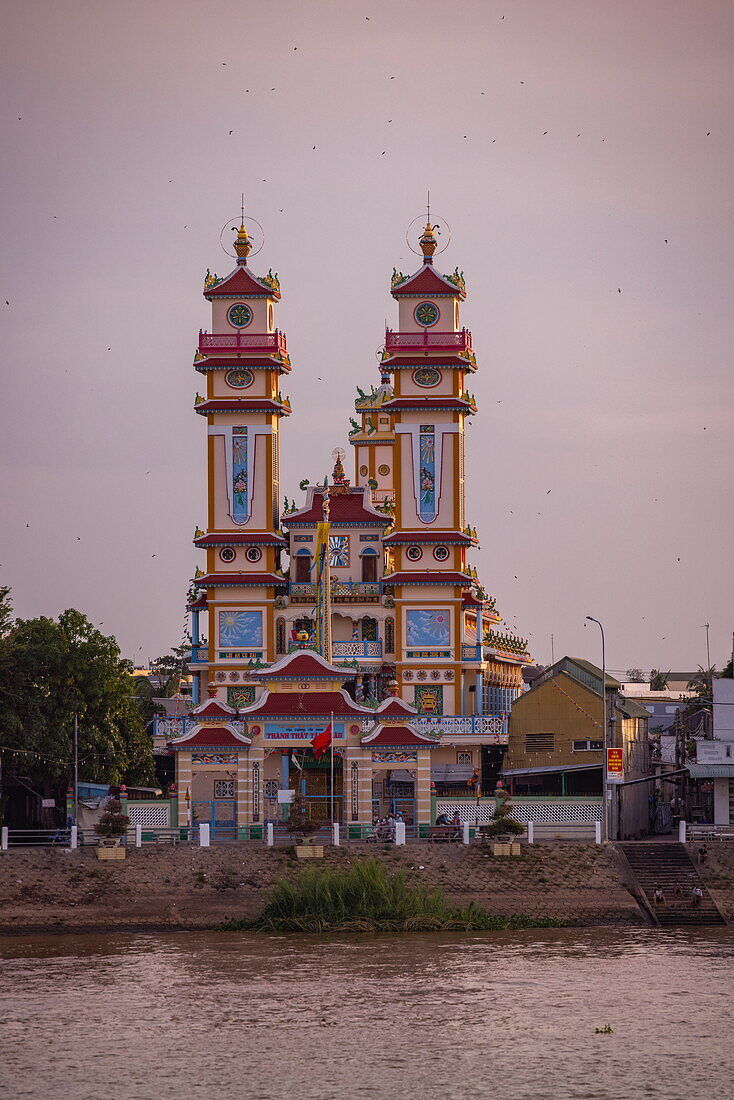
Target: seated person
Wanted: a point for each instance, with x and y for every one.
(442, 819)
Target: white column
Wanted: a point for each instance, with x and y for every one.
(681, 831)
(399, 832)
(335, 833)
(597, 832)
(204, 834)
(4, 839)
(269, 834)
(465, 832)
(138, 836)
(531, 832)
(74, 837)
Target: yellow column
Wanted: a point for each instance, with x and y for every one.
(184, 783)
(242, 792)
(423, 788)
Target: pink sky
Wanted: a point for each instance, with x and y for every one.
(120, 172)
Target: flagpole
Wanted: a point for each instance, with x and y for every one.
(332, 767)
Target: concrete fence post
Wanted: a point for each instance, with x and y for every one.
(74, 836)
(335, 833)
(531, 832)
(465, 832)
(681, 831)
(269, 834)
(597, 832)
(204, 838)
(4, 839)
(399, 832)
(138, 836)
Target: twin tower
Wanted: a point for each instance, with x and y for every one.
(408, 614)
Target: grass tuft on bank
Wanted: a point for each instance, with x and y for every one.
(366, 897)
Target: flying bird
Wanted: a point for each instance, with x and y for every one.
(231, 131)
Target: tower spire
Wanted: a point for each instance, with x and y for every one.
(242, 244)
(427, 241)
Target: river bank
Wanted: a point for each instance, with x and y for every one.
(167, 889)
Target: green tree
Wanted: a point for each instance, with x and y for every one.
(169, 669)
(51, 670)
(635, 676)
(727, 673)
(702, 682)
(658, 679)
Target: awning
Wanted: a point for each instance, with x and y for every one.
(401, 776)
(547, 769)
(451, 773)
(711, 771)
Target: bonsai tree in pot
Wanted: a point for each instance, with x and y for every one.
(503, 823)
(298, 823)
(113, 824)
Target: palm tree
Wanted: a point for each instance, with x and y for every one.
(702, 681)
(658, 679)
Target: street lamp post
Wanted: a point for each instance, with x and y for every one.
(605, 782)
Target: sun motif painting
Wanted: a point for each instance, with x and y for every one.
(338, 550)
(240, 629)
(428, 628)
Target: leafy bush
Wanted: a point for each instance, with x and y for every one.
(112, 822)
(503, 823)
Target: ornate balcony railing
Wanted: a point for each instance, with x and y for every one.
(471, 652)
(428, 338)
(350, 590)
(491, 728)
(253, 342)
(340, 650)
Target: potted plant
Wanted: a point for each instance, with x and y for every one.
(110, 828)
(299, 824)
(503, 826)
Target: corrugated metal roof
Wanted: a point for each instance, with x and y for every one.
(711, 771)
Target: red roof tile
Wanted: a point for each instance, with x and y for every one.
(302, 665)
(199, 604)
(238, 359)
(436, 577)
(345, 508)
(434, 402)
(394, 708)
(240, 538)
(397, 735)
(305, 704)
(240, 283)
(211, 708)
(399, 359)
(211, 736)
(239, 580)
(407, 537)
(240, 404)
(429, 282)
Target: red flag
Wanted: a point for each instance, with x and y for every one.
(321, 742)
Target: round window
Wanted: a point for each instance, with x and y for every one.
(441, 553)
(383, 470)
(426, 376)
(254, 553)
(239, 379)
(239, 315)
(426, 314)
(414, 553)
(227, 554)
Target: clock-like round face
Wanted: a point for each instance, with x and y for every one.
(239, 379)
(426, 376)
(239, 315)
(426, 314)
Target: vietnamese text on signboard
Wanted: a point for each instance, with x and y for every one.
(615, 765)
(274, 731)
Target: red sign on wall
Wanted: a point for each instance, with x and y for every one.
(615, 765)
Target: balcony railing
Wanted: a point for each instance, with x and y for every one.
(342, 650)
(253, 342)
(339, 589)
(428, 338)
(471, 652)
(491, 728)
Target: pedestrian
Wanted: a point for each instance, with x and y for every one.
(677, 890)
(659, 896)
(696, 895)
(702, 854)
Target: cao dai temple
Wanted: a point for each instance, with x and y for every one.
(357, 606)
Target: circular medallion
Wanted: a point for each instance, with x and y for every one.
(227, 554)
(435, 674)
(407, 675)
(234, 677)
(414, 553)
(426, 314)
(220, 676)
(270, 788)
(383, 470)
(421, 675)
(239, 379)
(253, 553)
(441, 553)
(448, 674)
(426, 376)
(363, 471)
(239, 315)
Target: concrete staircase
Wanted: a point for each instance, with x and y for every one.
(669, 865)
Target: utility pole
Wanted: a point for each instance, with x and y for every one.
(76, 770)
(605, 782)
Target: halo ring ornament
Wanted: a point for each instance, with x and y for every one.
(379, 352)
(426, 314)
(258, 239)
(426, 377)
(443, 234)
(338, 453)
(240, 315)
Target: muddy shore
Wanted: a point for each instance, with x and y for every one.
(156, 889)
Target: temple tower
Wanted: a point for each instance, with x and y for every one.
(241, 359)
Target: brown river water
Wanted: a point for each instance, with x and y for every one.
(503, 1015)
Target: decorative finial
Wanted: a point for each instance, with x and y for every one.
(428, 241)
(242, 244)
